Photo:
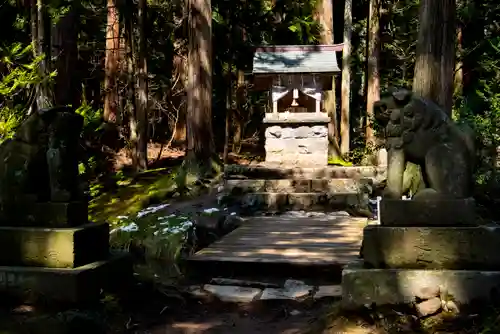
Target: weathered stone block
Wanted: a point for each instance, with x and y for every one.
(445, 212)
(266, 201)
(273, 131)
(54, 247)
(81, 284)
(297, 159)
(361, 286)
(432, 247)
(233, 294)
(318, 201)
(302, 146)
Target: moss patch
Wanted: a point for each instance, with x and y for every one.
(130, 196)
(338, 162)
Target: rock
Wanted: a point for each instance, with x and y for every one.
(292, 290)
(295, 312)
(428, 307)
(332, 291)
(231, 222)
(232, 294)
(297, 289)
(274, 294)
(428, 292)
(450, 306)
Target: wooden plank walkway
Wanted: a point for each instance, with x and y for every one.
(307, 241)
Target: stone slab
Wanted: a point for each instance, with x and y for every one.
(306, 117)
(299, 201)
(328, 291)
(77, 285)
(270, 172)
(302, 145)
(361, 286)
(48, 215)
(447, 212)
(473, 248)
(233, 294)
(67, 247)
(297, 159)
(298, 186)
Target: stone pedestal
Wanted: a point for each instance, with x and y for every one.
(296, 139)
(424, 246)
(68, 263)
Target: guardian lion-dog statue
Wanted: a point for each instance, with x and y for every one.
(429, 155)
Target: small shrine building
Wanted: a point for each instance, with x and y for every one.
(296, 125)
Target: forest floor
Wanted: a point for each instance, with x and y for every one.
(153, 310)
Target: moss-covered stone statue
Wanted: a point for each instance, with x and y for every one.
(429, 155)
(40, 165)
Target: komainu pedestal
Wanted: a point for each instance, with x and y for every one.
(48, 248)
(432, 241)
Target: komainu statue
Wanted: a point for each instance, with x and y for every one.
(40, 163)
(429, 155)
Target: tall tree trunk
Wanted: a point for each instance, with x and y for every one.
(229, 108)
(43, 93)
(65, 52)
(111, 64)
(435, 55)
(346, 80)
(131, 105)
(141, 136)
(373, 74)
(200, 143)
(324, 14)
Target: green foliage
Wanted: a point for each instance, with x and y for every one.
(18, 77)
(160, 239)
(482, 111)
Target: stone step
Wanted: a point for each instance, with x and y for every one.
(362, 286)
(54, 247)
(308, 201)
(294, 290)
(270, 172)
(296, 186)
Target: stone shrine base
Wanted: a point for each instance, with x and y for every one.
(68, 285)
(297, 139)
(362, 287)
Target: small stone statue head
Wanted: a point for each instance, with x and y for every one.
(393, 100)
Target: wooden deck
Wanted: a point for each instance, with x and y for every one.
(306, 241)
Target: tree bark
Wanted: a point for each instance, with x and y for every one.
(131, 105)
(346, 80)
(65, 52)
(43, 92)
(141, 156)
(111, 99)
(324, 14)
(229, 107)
(200, 143)
(435, 55)
(373, 74)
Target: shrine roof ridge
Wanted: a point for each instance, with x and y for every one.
(296, 59)
(304, 48)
